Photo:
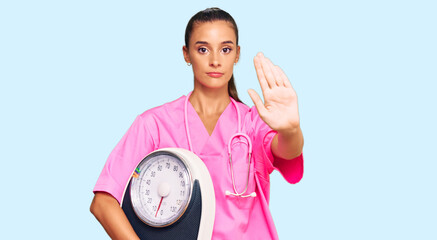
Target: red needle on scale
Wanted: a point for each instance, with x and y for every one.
(158, 206)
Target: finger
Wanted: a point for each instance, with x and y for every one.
(278, 78)
(268, 72)
(259, 72)
(257, 101)
(284, 77)
(280, 75)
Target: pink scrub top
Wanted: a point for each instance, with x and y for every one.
(163, 126)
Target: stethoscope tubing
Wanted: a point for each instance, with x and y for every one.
(238, 134)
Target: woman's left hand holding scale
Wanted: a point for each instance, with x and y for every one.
(280, 109)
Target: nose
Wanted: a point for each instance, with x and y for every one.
(214, 60)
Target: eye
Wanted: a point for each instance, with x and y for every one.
(226, 50)
(202, 50)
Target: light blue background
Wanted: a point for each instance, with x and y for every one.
(74, 74)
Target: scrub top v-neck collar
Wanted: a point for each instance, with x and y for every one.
(199, 134)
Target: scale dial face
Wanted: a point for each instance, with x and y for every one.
(161, 189)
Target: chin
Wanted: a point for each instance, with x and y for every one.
(214, 84)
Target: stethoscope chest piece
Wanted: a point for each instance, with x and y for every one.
(170, 196)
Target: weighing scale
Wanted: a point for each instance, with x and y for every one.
(170, 195)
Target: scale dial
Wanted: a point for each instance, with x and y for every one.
(161, 189)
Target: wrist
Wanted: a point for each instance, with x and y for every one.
(289, 132)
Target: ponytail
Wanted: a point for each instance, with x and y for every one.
(232, 90)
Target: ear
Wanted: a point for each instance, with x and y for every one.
(186, 54)
(237, 58)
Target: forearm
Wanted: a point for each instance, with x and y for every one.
(288, 144)
(109, 213)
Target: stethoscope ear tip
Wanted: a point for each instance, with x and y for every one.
(227, 193)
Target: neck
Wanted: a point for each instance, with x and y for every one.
(209, 101)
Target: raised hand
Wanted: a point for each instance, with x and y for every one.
(280, 109)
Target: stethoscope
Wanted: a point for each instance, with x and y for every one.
(238, 134)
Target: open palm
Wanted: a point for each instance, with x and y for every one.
(280, 109)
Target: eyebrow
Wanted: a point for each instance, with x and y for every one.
(224, 42)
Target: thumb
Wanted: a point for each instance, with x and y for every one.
(257, 101)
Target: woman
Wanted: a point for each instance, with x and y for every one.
(211, 48)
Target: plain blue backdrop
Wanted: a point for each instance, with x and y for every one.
(75, 74)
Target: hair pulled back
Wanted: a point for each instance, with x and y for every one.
(211, 15)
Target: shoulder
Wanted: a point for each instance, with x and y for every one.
(164, 111)
(253, 123)
(153, 121)
(244, 109)
(248, 114)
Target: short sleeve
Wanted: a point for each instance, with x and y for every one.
(290, 169)
(136, 143)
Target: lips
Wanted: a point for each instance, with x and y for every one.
(215, 74)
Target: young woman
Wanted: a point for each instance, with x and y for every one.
(210, 111)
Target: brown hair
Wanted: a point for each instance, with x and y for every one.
(210, 15)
